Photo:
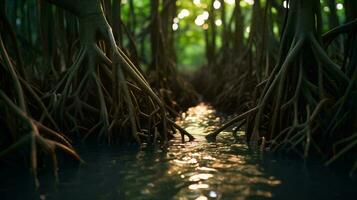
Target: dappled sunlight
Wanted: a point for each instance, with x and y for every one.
(199, 120)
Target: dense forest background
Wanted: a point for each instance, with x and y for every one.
(121, 71)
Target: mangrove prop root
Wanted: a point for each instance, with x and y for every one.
(35, 136)
(182, 131)
(212, 136)
(124, 76)
(304, 99)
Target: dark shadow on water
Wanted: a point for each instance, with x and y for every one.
(17, 184)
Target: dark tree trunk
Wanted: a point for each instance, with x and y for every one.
(239, 26)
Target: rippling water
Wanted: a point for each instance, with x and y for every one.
(199, 170)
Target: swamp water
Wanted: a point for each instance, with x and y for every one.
(199, 170)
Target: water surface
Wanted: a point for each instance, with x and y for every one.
(199, 170)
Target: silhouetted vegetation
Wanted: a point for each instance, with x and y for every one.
(119, 72)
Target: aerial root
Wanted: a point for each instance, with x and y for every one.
(212, 136)
(116, 68)
(303, 89)
(345, 28)
(276, 80)
(35, 136)
(182, 131)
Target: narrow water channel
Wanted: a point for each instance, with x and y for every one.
(199, 170)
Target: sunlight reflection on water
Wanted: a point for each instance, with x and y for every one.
(213, 170)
